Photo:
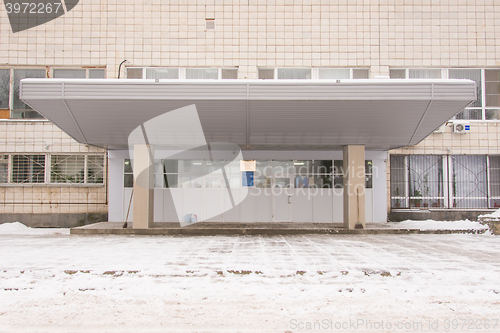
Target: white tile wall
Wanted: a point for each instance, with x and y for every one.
(250, 33)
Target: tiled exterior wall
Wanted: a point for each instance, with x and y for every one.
(378, 34)
(43, 137)
(251, 33)
(483, 139)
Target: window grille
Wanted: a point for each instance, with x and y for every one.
(445, 181)
(28, 169)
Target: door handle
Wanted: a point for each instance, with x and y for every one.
(289, 199)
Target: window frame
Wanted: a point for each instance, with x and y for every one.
(48, 171)
(87, 72)
(48, 74)
(314, 72)
(445, 75)
(269, 173)
(182, 71)
(450, 194)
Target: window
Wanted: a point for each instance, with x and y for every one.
(334, 73)
(313, 174)
(229, 73)
(173, 73)
(96, 73)
(469, 181)
(397, 73)
(28, 169)
(360, 73)
(470, 74)
(266, 73)
(416, 73)
(494, 182)
(424, 73)
(313, 73)
(60, 169)
(95, 169)
(134, 73)
(170, 173)
(487, 105)
(338, 174)
(128, 175)
(417, 181)
(4, 169)
(77, 169)
(4, 88)
(69, 74)
(492, 85)
(437, 181)
(78, 73)
(202, 73)
(269, 173)
(294, 73)
(10, 86)
(67, 169)
(19, 108)
(368, 174)
(160, 73)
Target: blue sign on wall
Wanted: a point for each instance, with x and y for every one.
(247, 178)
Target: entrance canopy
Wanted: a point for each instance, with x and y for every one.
(256, 114)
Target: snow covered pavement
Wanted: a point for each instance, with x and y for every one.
(321, 283)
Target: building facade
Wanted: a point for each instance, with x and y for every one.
(454, 172)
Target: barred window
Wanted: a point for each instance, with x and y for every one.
(67, 169)
(95, 169)
(60, 169)
(4, 169)
(77, 169)
(28, 169)
(445, 181)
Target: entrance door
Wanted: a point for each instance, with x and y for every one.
(213, 197)
(282, 199)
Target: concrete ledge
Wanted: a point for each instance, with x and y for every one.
(49, 220)
(212, 229)
(398, 215)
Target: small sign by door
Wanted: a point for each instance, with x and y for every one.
(247, 178)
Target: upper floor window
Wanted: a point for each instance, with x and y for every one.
(313, 73)
(10, 84)
(78, 73)
(172, 73)
(487, 105)
(18, 108)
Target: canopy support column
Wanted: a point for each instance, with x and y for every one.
(143, 186)
(354, 187)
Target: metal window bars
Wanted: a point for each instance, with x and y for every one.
(445, 181)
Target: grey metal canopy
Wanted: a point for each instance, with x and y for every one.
(256, 114)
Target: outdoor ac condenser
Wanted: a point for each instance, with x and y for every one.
(461, 127)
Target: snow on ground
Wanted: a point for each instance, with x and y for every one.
(439, 225)
(495, 214)
(17, 228)
(340, 283)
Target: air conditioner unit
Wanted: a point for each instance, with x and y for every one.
(461, 127)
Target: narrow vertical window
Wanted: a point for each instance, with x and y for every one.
(4, 88)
